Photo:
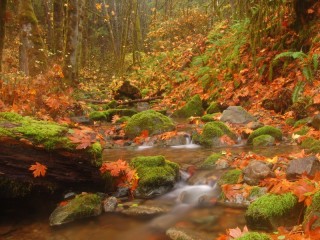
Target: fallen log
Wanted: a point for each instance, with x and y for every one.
(127, 102)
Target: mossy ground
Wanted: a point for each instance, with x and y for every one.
(230, 177)
(108, 114)
(192, 108)
(155, 171)
(254, 236)
(47, 133)
(210, 161)
(313, 145)
(265, 130)
(208, 117)
(150, 120)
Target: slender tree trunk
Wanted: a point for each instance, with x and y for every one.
(71, 67)
(33, 59)
(137, 34)
(58, 24)
(3, 6)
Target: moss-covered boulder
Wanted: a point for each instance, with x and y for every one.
(265, 130)
(311, 144)
(108, 114)
(208, 117)
(263, 141)
(156, 175)
(49, 134)
(150, 120)
(230, 177)
(312, 214)
(210, 161)
(82, 206)
(211, 133)
(213, 108)
(254, 236)
(272, 211)
(192, 108)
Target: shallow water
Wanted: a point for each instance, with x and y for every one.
(29, 221)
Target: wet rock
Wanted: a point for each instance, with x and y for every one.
(82, 206)
(181, 138)
(121, 192)
(263, 141)
(315, 122)
(192, 108)
(176, 233)
(152, 121)
(144, 211)
(156, 175)
(110, 204)
(309, 165)
(236, 114)
(222, 164)
(256, 171)
(272, 211)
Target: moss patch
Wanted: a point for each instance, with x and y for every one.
(311, 144)
(210, 161)
(266, 130)
(108, 114)
(254, 236)
(208, 117)
(192, 108)
(230, 177)
(263, 141)
(154, 172)
(50, 134)
(213, 108)
(150, 120)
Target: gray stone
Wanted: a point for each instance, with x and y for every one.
(110, 204)
(315, 122)
(82, 206)
(222, 164)
(236, 114)
(309, 165)
(255, 171)
(144, 211)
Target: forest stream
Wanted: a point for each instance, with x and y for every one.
(29, 219)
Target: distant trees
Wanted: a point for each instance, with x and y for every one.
(3, 6)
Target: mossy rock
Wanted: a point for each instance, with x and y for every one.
(272, 211)
(230, 177)
(208, 117)
(155, 172)
(265, 130)
(152, 121)
(313, 211)
(210, 161)
(192, 108)
(82, 206)
(254, 236)
(311, 144)
(50, 134)
(211, 133)
(303, 131)
(263, 141)
(213, 108)
(10, 188)
(301, 122)
(108, 114)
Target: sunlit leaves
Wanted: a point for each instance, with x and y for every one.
(83, 137)
(38, 170)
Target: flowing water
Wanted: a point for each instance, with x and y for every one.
(29, 220)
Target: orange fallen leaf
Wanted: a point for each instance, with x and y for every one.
(38, 170)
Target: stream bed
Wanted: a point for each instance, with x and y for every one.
(29, 219)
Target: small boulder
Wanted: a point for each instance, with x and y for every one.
(156, 175)
(210, 161)
(255, 171)
(265, 130)
(274, 210)
(263, 141)
(192, 108)
(110, 204)
(236, 114)
(309, 165)
(150, 120)
(315, 122)
(213, 108)
(127, 91)
(144, 211)
(82, 206)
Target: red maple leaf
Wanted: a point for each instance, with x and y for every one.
(38, 170)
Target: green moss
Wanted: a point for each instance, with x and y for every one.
(208, 117)
(303, 131)
(210, 161)
(47, 133)
(311, 144)
(98, 115)
(84, 203)
(123, 120)
(108, 114)
(313, 210)
(155, 171)
(272, 205)
(213, 108)
(230, 177)
(263, 141)
(152, 121)
(254, 236)
(255, 191)
(266, 130)
(300, 122)
(290, 121)
(96, 151)
(192, 108)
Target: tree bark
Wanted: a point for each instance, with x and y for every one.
(33, 59)
(3, 6)
(58, 24)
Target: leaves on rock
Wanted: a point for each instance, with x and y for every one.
(38, 170)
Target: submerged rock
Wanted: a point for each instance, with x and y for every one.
(82, 206)
(236, 114)
(144, 211)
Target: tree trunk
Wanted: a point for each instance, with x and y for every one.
(71, 63)
(3, 5)
(58, 24)
(33, 59)
(137, 34)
